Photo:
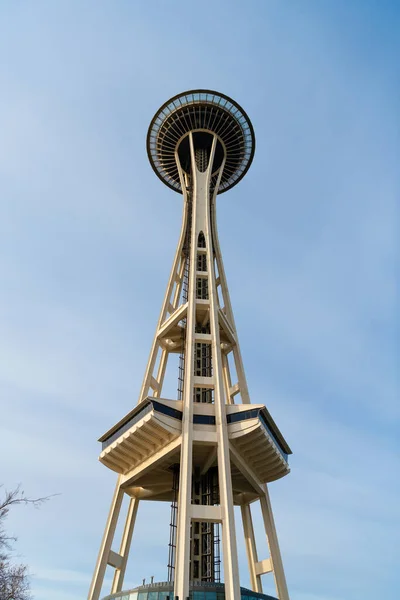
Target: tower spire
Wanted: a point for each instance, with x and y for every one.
(209, 449)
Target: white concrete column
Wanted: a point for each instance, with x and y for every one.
(182, 557)
(251, 549)
(169, 299)
(231, 563)
(125, 545)
(272, 538)
(244, 392)
(102, 560)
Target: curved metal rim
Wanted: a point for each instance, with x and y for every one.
(214, 93)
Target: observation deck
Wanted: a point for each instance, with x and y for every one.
(201, 112)
(145, 445)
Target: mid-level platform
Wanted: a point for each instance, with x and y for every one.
(198, 591)
(145, 445)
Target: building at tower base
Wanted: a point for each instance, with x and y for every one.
(197, 591)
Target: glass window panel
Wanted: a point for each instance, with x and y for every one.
(152, 596)
(142, 595)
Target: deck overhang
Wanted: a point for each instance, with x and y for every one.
(145, 445)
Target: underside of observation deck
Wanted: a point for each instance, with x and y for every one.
(145, 446)
(201, 112)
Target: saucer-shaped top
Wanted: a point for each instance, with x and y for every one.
(201, 111)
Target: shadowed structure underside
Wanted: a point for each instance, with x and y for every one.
(201, 111)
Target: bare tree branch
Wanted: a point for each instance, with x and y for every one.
(17, 496)
(14, 579)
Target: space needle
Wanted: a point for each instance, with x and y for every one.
(209, 448)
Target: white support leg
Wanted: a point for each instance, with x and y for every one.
(251, 549)
(227, 378)
(161, 372)
(182, 557)
(231, 563)
(125, 545)
(244, 392)
(272, 538)
(105, 548)
(168, 300)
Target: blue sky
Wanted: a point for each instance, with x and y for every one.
(310, 242)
